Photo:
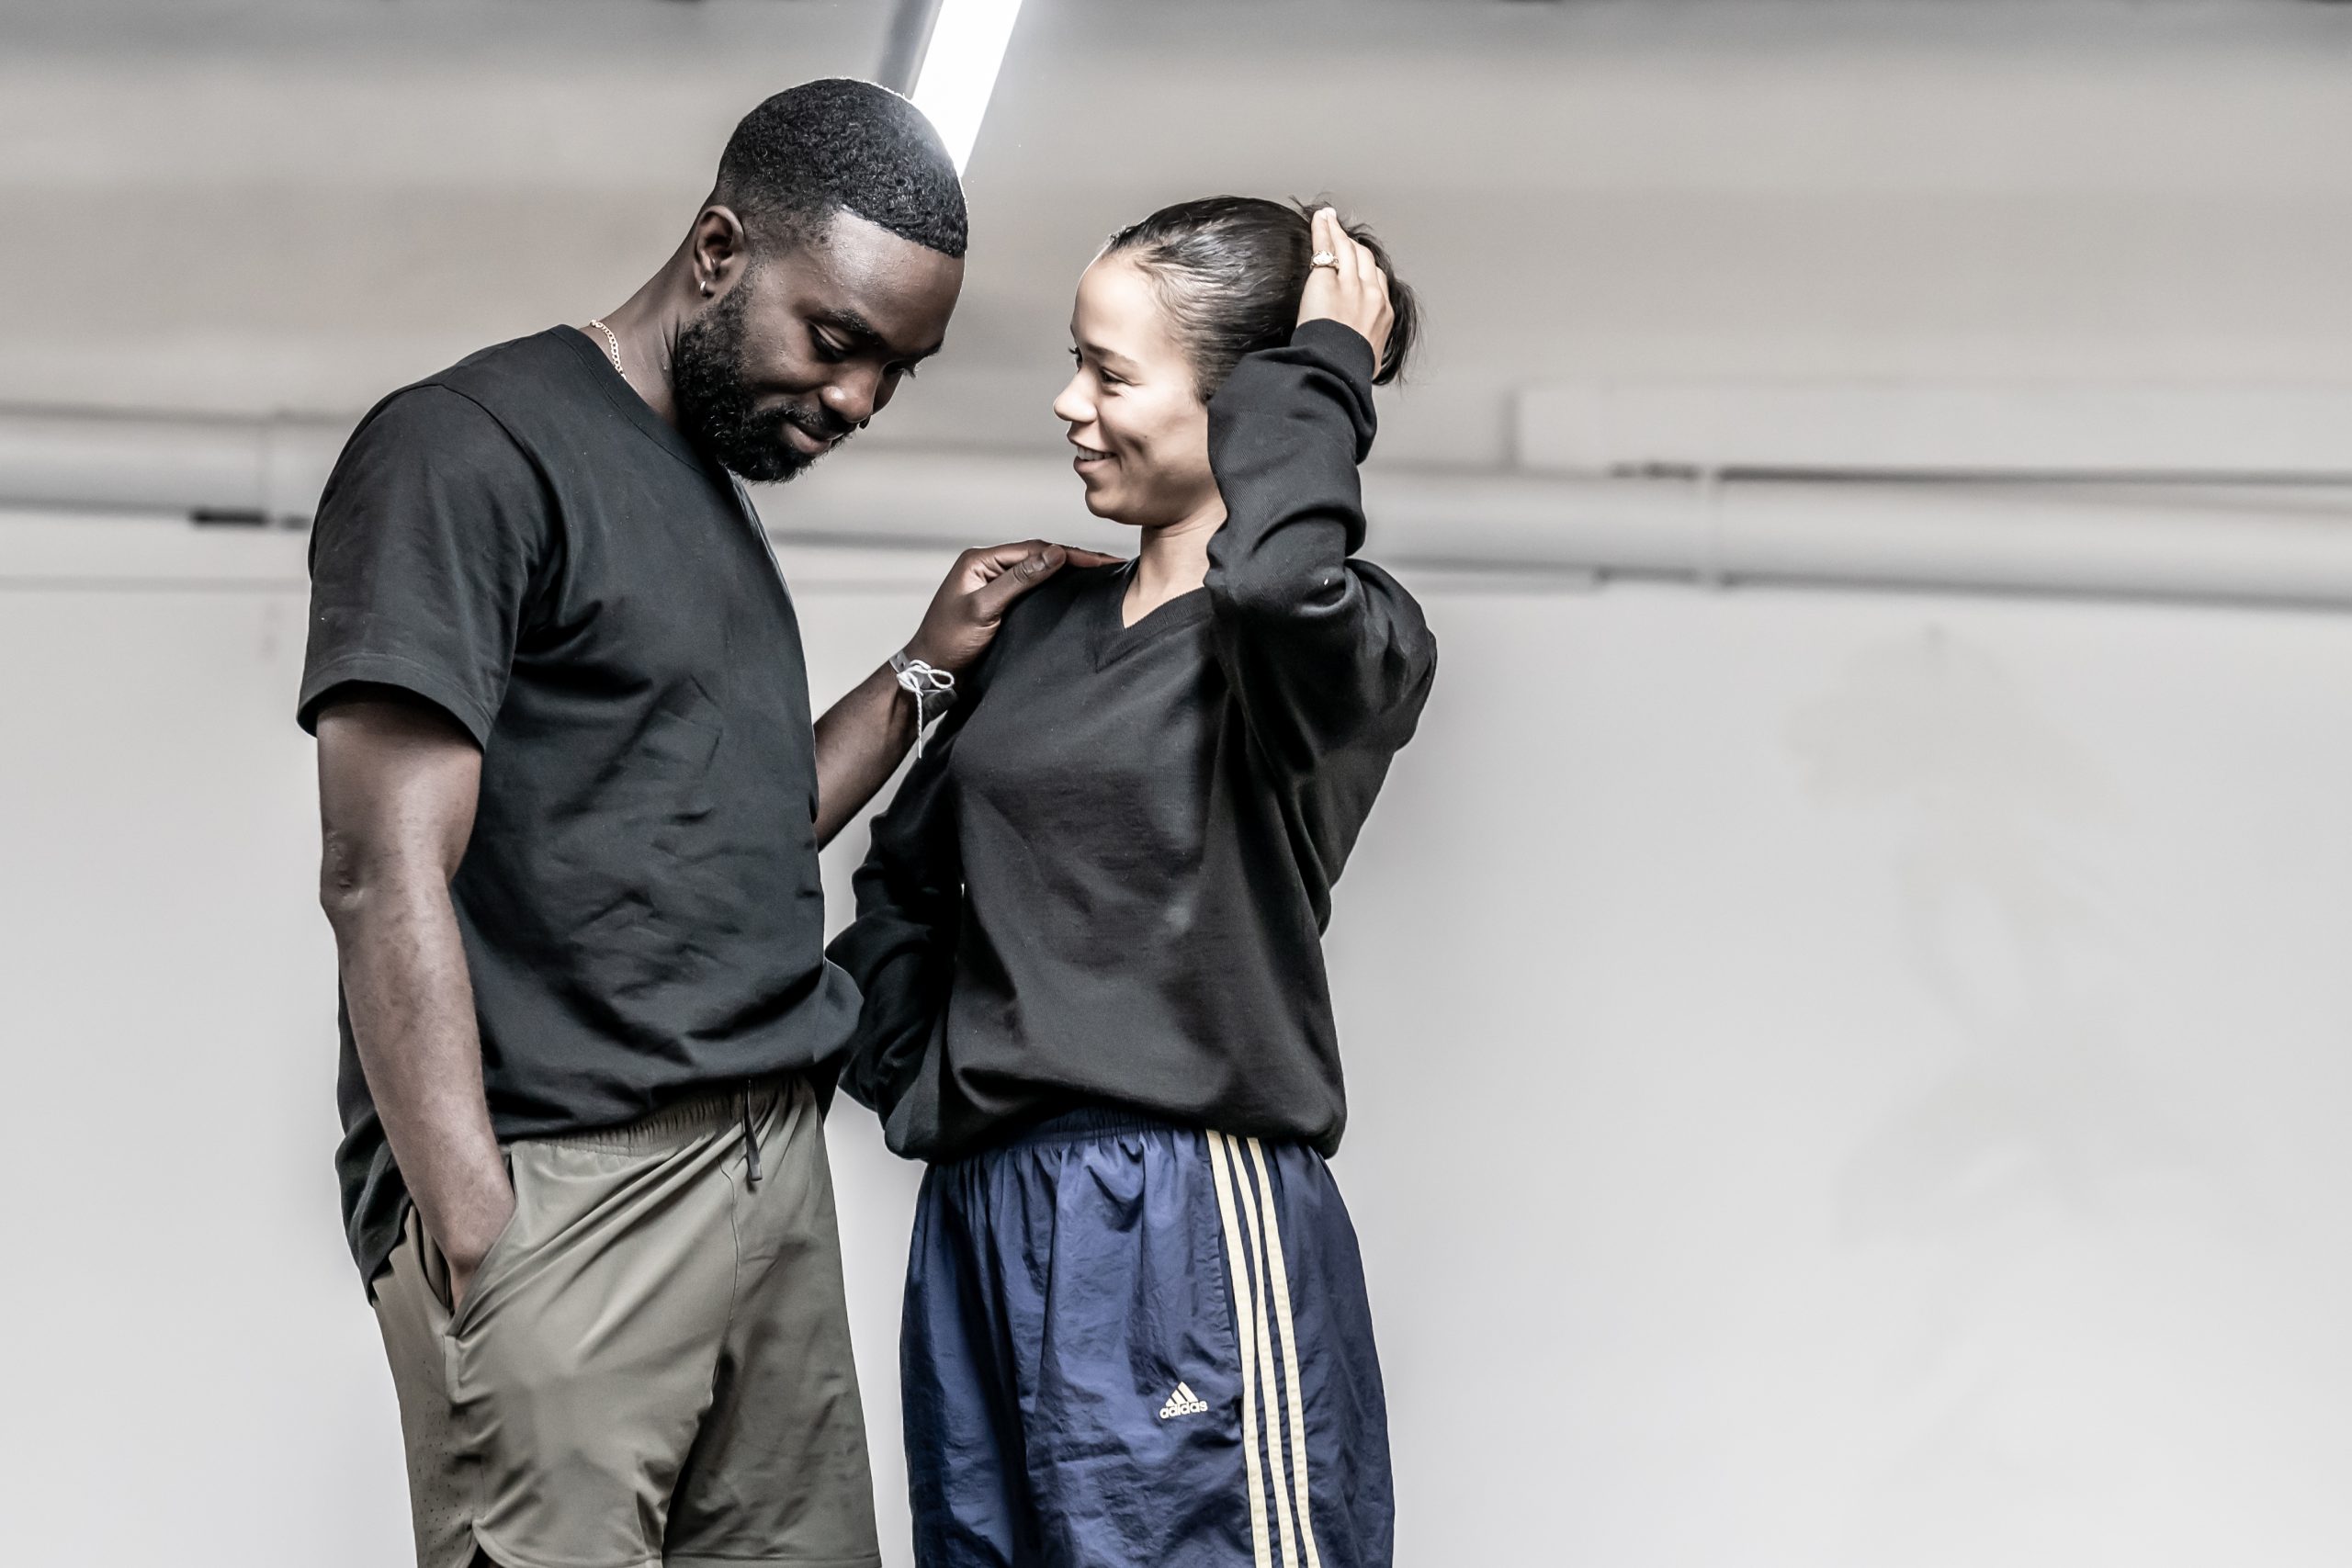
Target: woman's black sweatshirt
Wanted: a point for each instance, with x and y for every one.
(1107, 879)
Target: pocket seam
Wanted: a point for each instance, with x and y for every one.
(464, 1313)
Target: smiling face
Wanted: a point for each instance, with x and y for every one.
(1134, 409)
(807, 343)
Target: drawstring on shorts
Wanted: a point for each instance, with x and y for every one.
(750, 1140)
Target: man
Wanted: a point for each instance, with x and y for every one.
(571, 802)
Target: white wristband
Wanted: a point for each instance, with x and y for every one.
(932, 689)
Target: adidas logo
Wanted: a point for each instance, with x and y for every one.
(1183, 1401)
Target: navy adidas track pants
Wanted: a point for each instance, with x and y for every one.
(1131, 1344)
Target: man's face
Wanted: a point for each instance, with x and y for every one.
(808, 344)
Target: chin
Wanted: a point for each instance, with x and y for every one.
(1120, 503)
(1103, 505)
(768, 467)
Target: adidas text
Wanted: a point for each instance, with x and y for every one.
(1183, 1401)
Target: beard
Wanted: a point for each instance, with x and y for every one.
(717, 409)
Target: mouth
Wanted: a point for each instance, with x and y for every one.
(805, 443)
(1088, 456)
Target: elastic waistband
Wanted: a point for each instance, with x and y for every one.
(717, 1109)
(1094, 1122)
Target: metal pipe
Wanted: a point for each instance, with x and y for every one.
(2173, 544)
(265, 470)
(2185, 544)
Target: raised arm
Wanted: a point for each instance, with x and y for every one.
(1322, 650)
(397, 785)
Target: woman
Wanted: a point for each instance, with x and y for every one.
(1088, 936)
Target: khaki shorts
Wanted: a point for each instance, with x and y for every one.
(653, 1363)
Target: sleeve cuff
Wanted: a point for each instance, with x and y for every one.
(391, 669)
(1346, 347)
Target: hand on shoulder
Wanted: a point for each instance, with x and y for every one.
(978, 590)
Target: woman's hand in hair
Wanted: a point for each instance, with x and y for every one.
(1352, 292)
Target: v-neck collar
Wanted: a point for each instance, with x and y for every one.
(1114, 641)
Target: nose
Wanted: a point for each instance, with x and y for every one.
(1071, 404)
(853, 398)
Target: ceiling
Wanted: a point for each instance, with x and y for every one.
(281, 205)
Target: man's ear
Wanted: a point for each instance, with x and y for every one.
(721, 250)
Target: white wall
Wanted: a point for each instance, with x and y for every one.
(1837, 1080)
(1860, 1081)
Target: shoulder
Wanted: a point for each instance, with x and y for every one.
(1078, 582)
(1041, 620)
(525, 387)
(436, 427)
(426, 411)
(470, 399)
(430, 458)
(544, 362)
(1050, 605)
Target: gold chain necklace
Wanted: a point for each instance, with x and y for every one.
(615, 344)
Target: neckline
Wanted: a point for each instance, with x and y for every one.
(1113, 639)
(628, 404)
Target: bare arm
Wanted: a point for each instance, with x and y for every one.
(859, 741)
(398, 781)
(861, 738)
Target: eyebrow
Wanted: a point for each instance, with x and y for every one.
(851, 324)
(1116, 361)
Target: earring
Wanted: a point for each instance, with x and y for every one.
(705, 289)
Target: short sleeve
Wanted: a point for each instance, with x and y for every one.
(427, 540)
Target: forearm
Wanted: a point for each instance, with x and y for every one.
(1316, 644)
(862, 738)
(411, 1003)
(1287, 434)
(860, 742)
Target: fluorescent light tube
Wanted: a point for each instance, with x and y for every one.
(959, 69)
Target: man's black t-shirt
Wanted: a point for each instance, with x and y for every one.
(521, 541)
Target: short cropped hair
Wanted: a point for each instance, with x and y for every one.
(840, 145)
